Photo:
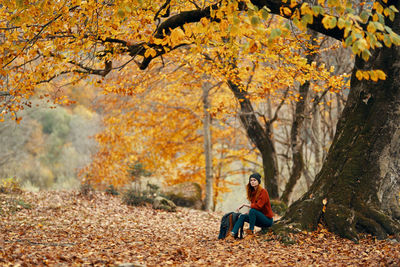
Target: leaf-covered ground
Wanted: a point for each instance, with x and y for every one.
(66, 229)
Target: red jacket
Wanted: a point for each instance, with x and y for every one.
(262, 203)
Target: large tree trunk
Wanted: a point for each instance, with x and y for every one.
(360, 178)
(316, 136)
(261, 138)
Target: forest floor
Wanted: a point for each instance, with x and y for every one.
(66, 229)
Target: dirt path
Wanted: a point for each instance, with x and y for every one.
(64, 229)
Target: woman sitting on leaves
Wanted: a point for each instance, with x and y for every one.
(260, 213)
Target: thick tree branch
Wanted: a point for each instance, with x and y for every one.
(276, 6)
(193, 16)
(171, 23)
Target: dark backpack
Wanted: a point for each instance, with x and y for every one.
(227, 223)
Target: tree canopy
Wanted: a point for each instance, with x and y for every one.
(43, 40)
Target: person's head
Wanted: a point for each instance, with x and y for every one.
(255, 179)
(254, 182)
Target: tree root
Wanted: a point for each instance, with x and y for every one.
(347, 222)
(283, 233)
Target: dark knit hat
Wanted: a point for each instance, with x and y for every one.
(257, 176)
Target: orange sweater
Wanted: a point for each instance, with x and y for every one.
(262, 203)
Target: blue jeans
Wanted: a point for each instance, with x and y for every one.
(254, 218)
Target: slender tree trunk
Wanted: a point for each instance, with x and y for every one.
(296, 143)
(296, 130)
(218, 179)
(272, 140)
(260, 137)
(208, 202)
(360, 178)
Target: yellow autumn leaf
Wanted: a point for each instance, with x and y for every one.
(387, 41)
(378, 7)
(381, 74)
(177, 35)
(371, 27)
(150, 52)
(341, 23)
(305, 9)
(329, 22)
(188, 30)
(157, 41)
(373, 75)
(359, 75)
(286, 11)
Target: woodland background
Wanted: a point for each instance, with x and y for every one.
(102, 130)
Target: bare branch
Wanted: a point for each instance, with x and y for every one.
(54, 76)
(27, 62)
(279, 106)
(166, 5)
(317, 99)
(87, 70)
(36, 37)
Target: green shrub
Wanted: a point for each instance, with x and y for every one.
(134, 198)
(111, 190)
(138, 170)
(152, 188)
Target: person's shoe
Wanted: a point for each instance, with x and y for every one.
(230, 237)
(249, 234)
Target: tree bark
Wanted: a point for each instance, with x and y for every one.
(208, 202)
(261, 138)
(316, 134)
(361, 176)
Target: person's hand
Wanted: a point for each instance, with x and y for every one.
(243, 205)
(238, 209)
